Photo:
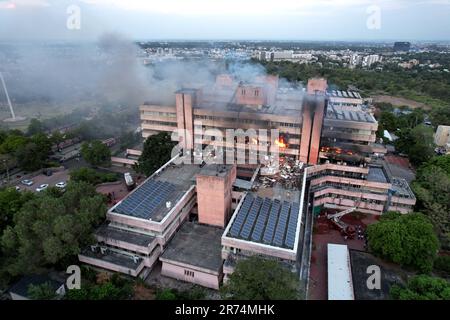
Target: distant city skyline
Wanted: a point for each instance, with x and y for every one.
(289, 20)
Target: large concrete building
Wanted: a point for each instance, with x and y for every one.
(199, 219)
(317, 126)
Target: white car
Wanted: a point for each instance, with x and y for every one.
(42, 187)
(61, 185)
(27, 182)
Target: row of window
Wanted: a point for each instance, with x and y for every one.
(159, 114)
(341, 196)
(160, 123)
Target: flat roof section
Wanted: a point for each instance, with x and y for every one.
(113, 257)
(148, 200)
(377, 174)
(196, 245)
(267, 221)
(335, 113)
(340, 283)
(139, 239)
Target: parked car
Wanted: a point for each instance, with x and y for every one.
(42, 187)
(47, 172)
(61, 185)
(27, 182)
(17, 188)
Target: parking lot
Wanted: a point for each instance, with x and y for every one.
(56, 177)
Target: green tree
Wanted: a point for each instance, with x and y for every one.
(442, 264)
(417, 143)
(157, 151)
(166, 294)
(35, 127)
(256, 278)
(96, 153)
(432, 190)
(422, 287)
(42, 291)
(12, 143)
(51, 230)
(408, 240)
(116, 288)
(11, 201)
(91, 176)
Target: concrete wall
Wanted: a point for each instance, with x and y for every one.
(214, 197)
(202, 278)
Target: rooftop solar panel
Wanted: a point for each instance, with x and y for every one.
(144, 202)
(271, 222)
(292, 225)
(260, 222)
(241, 216)
(248, 226)
(281, 225)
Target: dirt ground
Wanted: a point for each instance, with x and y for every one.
(398, 101)
(321, 237)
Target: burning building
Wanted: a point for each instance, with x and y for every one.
(198, 220)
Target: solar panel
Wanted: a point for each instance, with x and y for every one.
(145, 201)
(241, 216)
(281, 225)
(261, 220)
(249, 222)
(273, 217)
(292, 225)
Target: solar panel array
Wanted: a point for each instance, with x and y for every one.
(144, 202)
(266, 221)
(292, 225)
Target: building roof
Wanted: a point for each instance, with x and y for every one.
(117, 258)
(267, 221)
(21, 287)
(106, 231)
(216, 170)
(389, 276)
(340, 284)
(344, 94)
(377, 174)
(149, 200)
(196, 245)
(335, 113)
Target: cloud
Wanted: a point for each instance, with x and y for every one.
(14, 4)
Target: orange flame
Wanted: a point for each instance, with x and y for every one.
(280, 143)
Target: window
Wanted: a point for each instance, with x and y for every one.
(189, 273)
(256, 93)
(243, 92)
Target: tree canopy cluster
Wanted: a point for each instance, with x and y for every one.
(408, 240)
(96, 153)
(50, 229)
(92, 176)
(432, 190)
(157, 151)
(256, 278)
(115, 288)
(28, 152)
(422, 287)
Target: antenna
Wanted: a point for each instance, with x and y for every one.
(13, 116)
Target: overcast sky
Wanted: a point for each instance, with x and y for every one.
(228, 19)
